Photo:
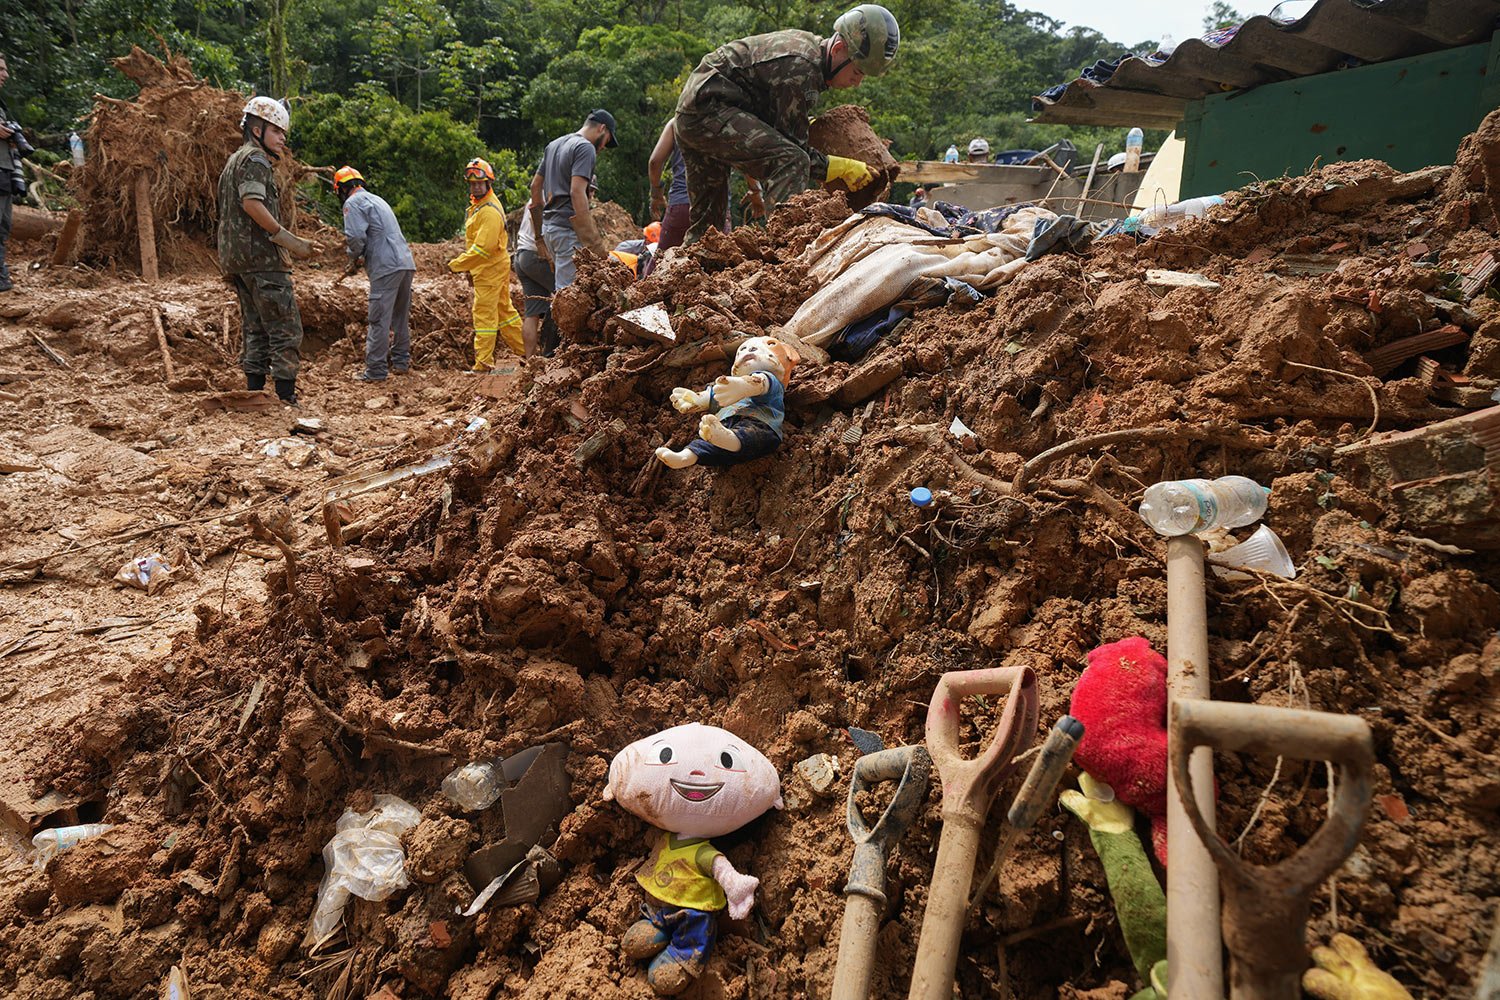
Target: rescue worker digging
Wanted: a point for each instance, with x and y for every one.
(374, 235)
(746, 107)
(253, 249)
(488, 264)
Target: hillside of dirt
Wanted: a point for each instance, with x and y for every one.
(538, 593)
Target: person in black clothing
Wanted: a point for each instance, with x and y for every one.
(9, 165)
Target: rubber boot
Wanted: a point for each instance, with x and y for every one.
(484, 351)
(255, 383)
(669, 976)
(286, 390)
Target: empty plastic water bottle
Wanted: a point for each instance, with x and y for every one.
(951, 156)
(1133, 140)
(75, 146)
(1188, 506)
(474, 786)
(49, 842)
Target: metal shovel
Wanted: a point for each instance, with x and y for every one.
(969, 786)
(865, 893)
(1266, 908)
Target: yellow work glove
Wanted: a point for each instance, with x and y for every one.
(854, 173)
(1345, 972)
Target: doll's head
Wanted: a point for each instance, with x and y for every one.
(765, 354)
(694, 780)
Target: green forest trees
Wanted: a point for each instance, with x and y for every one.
(405, 88)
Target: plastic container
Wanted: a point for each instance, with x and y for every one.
(921, 496)
(1167, 46)
(49, 843)
(1165, 216)
(474, 786)
(75, 146)
(951, 156)
(1188, 506)
(1133, 140)
(1262, 551)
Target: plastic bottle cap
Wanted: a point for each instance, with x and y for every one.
(921, 496)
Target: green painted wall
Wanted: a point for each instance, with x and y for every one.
(1410, 113)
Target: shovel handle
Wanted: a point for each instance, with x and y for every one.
(864, 896)
(970, 785)
(911, 766)
(1340, 739)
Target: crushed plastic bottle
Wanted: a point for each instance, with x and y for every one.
(49, 843)
(474, 786)
(1188, 506)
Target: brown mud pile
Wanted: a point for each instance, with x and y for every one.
(539, 593)
(177, 133)
(846, 131)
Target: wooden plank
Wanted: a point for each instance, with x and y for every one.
(938, 172)
(1096, 105)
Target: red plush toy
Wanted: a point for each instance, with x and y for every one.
(1121, 699)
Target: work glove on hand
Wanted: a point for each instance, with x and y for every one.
(754, 203)
(588, 234)
(299, 248)
(1345, 972)
(854, 173)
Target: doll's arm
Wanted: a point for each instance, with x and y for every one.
(739, 889)
(730, 389)
(685, 400)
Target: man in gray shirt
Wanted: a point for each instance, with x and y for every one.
(560, 194)
(374, 234)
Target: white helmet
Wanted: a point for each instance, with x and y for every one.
(267, 110)
(978, 147)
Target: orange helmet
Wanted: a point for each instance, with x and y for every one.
(479, 169)
(345, 174)
(652, 232)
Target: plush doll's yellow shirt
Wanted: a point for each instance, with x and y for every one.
(682, 874)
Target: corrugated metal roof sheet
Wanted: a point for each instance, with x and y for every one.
(1154, 95)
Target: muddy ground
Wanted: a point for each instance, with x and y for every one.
(531, 595)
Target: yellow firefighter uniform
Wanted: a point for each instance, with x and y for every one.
(485, 257)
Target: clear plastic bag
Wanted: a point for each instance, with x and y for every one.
(364, 858)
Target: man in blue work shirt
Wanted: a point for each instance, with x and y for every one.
(374, 234)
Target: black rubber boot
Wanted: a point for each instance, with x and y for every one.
(286, 389)
(255, 383)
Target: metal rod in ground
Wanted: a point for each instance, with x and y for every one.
(1194, 953)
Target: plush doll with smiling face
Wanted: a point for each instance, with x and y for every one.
(744, 409)
(690, 782)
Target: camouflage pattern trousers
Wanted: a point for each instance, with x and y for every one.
(271, 324)
(726, 138)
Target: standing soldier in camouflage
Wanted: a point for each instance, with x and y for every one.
(253, 249)
(746, 107)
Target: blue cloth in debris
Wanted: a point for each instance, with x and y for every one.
(961, 221)
(855, 340)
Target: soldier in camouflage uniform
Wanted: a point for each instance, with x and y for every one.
(253, 249)
(746, 107)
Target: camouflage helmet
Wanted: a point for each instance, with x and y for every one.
(871, 33)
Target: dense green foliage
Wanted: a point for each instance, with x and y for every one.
(407, 90)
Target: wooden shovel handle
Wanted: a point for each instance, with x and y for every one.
(970, 785)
